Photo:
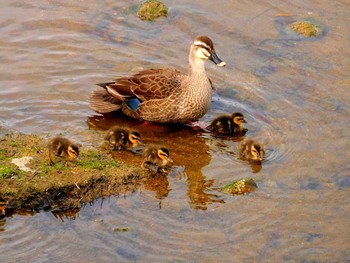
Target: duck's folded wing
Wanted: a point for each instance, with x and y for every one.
(155, 83)
(145, 85)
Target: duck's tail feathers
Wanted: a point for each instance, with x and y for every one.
(103, 102)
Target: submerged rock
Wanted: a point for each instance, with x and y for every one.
(152, 9)
(306, 28)
(239, 187)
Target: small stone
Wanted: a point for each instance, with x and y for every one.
(22, 163)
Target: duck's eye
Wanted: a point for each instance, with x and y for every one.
(204, 51)
(71, 151)
(135, 138)
(254, 152)
(238, 119)
(162, 155)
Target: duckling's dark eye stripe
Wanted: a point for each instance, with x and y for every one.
(205, 47)
(202, 45)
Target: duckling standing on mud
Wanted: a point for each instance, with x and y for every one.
(122, 138)
(228, 125)
(252, 151)
(60, 146)
(158, 156)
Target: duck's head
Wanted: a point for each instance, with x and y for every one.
(257, 152)
(238, 118)
(203, 49)
(73, 151)
(164, 155)
(135, 138)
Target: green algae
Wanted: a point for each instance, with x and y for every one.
(239, 187)
(306, 28)
(151, 10)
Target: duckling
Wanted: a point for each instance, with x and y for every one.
(60, 146)
(122, 138)
(228, 125)
(158, 156)
(251, 150)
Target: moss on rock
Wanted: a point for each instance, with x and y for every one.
(239, 187)
(306, 28)
(151, 10)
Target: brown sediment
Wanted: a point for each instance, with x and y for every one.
(96, 174)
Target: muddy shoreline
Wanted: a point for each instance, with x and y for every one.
(99, 173)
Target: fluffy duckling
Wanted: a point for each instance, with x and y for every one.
(60, 146)
(157, 155)
(122, 138)
(228, 125)
(252, 151)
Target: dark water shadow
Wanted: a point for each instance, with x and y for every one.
(187, 148)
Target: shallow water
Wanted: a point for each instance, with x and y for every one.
(293, 92)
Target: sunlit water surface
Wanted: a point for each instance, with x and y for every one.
(293, 91)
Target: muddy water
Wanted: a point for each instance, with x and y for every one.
(293, 92)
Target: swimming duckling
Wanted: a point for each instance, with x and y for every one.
(122, 138)
(60, 146)
(252, 151)
(228, 125)
(158, 156)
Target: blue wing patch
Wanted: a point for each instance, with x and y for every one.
(133, 103)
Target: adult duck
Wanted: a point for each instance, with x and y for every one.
(162, 95)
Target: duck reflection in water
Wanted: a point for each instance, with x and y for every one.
(187, 149)
(159, 184)
(70, 214)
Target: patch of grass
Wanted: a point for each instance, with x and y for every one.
(7, 172)
(152, 9)
(13, 144)
(3, 154)
(59, 165)
(94, 160)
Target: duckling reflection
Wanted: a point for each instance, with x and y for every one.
(188, 148)
(228, 125)
(70, 214)
(158, 156)
(122, 138)
(60, 146)
(2, 208)
(2, 223)
(158, 184)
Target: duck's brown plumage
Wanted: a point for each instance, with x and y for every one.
(162, 95)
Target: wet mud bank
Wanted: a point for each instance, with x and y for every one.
(28, 183)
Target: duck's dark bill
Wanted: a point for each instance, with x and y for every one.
(213, 57)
